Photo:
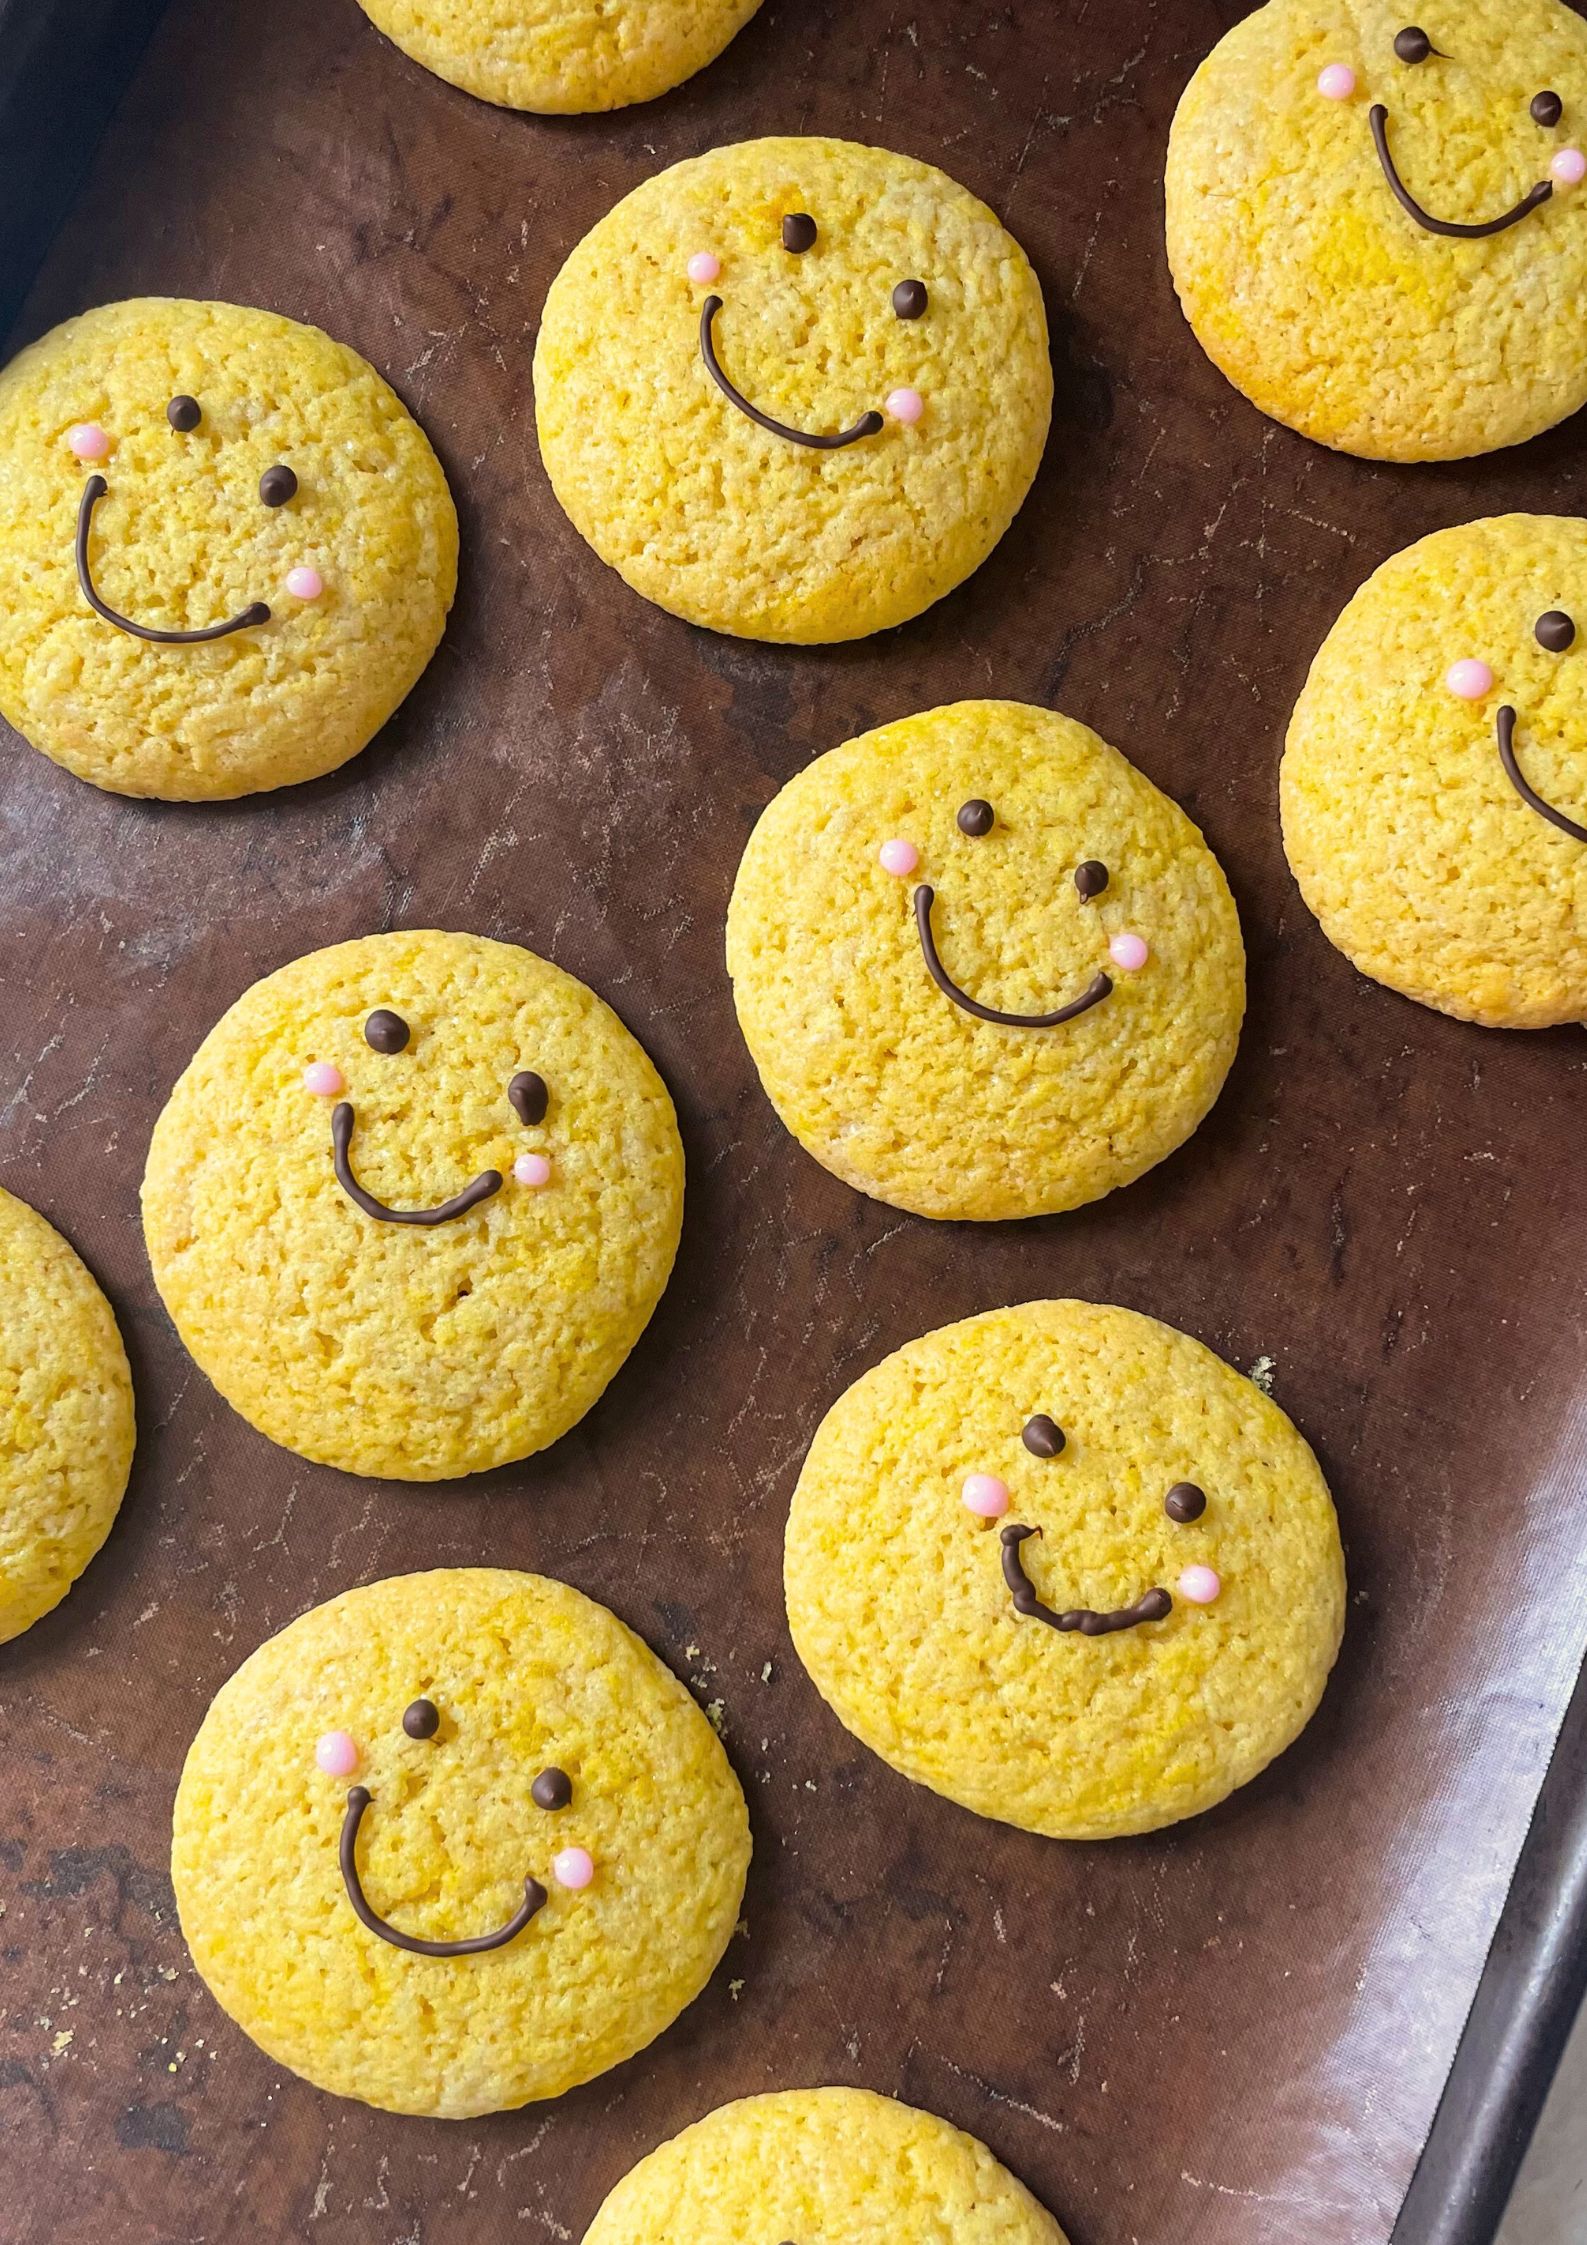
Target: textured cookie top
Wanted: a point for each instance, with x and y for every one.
(1086, 1426)
(1427, 862)
(891, 1082)
(821, 2167)
(455, 1702)
(65, 1417)
(804, 246)
(394, 1348)
(557, 56)
(184, 538)
(1311, 284)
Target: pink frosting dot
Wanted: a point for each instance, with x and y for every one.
(1569, 167)
(905, 405)
(1129, 952)
(532, 1169)
(324, 1078)
(337, 1754)
(1471, 680)
(986, 1496)
(1337, 82)
(704, 268)
(88, 440)
(305, 583)
(574, 1868)
(899, 857)
(1200, 1585)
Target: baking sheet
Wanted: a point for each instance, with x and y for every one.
(1237, 2029)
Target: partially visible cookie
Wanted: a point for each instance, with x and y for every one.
(794, 389)
(1434, 782)
(455, 1841)
(984, 967)
(1063, 1565)
(558, 56)
(821, 2167)
(66, 1417)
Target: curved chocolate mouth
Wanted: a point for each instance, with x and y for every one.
(93, 491)
(534, 1899)
(867, 425)
(1093, 995)
(1379, 120)
(1523, 787)
(487, 1182)
(1152, 1605)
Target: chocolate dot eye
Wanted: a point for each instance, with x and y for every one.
(529, 1095)
(1091, 879)
(1555, 631)
(1185, 1502)
(421, 1719)
(799, 232)
(1412, 44)
(909, 299)
(277, 485)
(185, 413)
(1043, 1437)
(553, 1789)
(1547, 109)
(386, 1031)
(976, 817)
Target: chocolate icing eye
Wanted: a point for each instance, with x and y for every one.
(1091, 879)
(386, 1031)
(185, 413)
(1185, 1502)
(421, 1719)
(1043, 1437)
(1412, 44)
(976, 817)
(1547, 109)
(277, 485)
(909, 299)
(552, 1789)
(1555, 631)
(799, 232)
(529, 1095)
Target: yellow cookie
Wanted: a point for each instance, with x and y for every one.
(821, 2167)
(984, 968)
(558, 56)
(1063, 1565)
(1434, 784)
(794, 389)
(226, 551)
(65, 1417)
(1376, 226)
(536, 1866)
(413, 1202)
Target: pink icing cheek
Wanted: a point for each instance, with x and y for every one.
(899, 857)
(337, 1754)
(905, 405)
(305, 583)
(1469, 679)
(87, 440)
(985, 1495)
(1199, 1585)
(532, 1169)
(574, 1868)
(1569, 167)
(1129, 952)
(703, 268)
(1337, 82)
(324, 1079)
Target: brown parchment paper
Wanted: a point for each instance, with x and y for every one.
(1232, 2032)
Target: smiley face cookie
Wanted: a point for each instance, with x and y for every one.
(66, 1426)
(455, 1841)
(984, 968)
(226, 550)
(1434, 783)
(413, 1202)
(794, 389)
(560, 56)
(821, 2167)
(1063, 1565)
(1377, 227)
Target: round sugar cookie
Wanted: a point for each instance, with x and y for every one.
(1064, 1565)
(66, 1418)
(226, 549)
(984, 967)
(821, 2167)
(1377, 224)
(454, 1841)
(562, 56)
(412, 1203)
(1434, 782)
(794, 389)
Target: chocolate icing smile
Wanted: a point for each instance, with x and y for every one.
(487, 1182)
(534, 1899)
(93, 491)
(1523, 788)
(1535, 200)
(866, 426)
(1093, 995)
(1154, 1605)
